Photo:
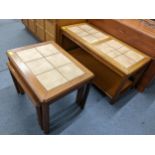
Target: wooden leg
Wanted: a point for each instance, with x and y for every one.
(19, 89)
(45, 118)
(147, 77)
(39, 114)
(82, 95)
(15, 83)
(118, 91)
(140, 75)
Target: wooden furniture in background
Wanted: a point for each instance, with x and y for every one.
(48, 29)
(137, 33)
(45, 72)
(40, 31)
(116, 65)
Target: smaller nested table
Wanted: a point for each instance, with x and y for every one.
(45, 72)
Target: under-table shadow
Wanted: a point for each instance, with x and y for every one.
(122, 100)
(64, 118)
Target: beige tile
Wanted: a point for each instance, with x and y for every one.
(124, 61)
(86, 27)
(113, 54)
(51, 79)
(39, 66)
(70, 71)
(74, 29)
(123, 49)
(79, 32)
(104, 48)
(100, 35)
(89, 39)
(58, 60)
(107, 50)
(134, 56)
(29, 54)
(102, 45)
(115, 44)
(47, 50)
(82, 34)
(92, 31)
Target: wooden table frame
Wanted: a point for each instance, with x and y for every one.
(82, 84)
(88, 48)
(43, 109)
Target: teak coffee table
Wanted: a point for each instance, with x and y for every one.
(45, 72)
(116, 65)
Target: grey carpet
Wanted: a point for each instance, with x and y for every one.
(12, 35)
(134, 113)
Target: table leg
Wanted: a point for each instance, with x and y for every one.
(45, 118)
(82, 95)
(147, 78)
(118, 91)
(39, 114)
(19, 89)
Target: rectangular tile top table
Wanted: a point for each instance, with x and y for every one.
(48, 69)
(116, 65)
(45, 72)
(117, 54)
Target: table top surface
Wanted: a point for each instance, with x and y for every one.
(120, 55)
(48, 69)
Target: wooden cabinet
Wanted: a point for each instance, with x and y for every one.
(32, 25)
(40, 22)
(25, 22)
(48, 29)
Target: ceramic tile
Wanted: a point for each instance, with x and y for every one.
(70, 71)
(107, 50)
(92, 31)
(115, 44)
(89, 39)
(102, 45)
(104, 48)
(51, 79)
(88, 33)
(86, 27)
(29, 54)
(123, 49)
(82, 34)
(113, 54)
(74, 29)
(58, 60)
(134, 56)
(47, 50)
(124, 61)
(100, 35)
(39, 66)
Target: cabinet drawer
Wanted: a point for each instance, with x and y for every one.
(40, 33)
(50, 26)
(40, 22)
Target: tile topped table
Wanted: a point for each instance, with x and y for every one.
(118, 65)
(46, 72)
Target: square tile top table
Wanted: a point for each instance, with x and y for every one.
(88, 33)
(48, 69)
(107, 48)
